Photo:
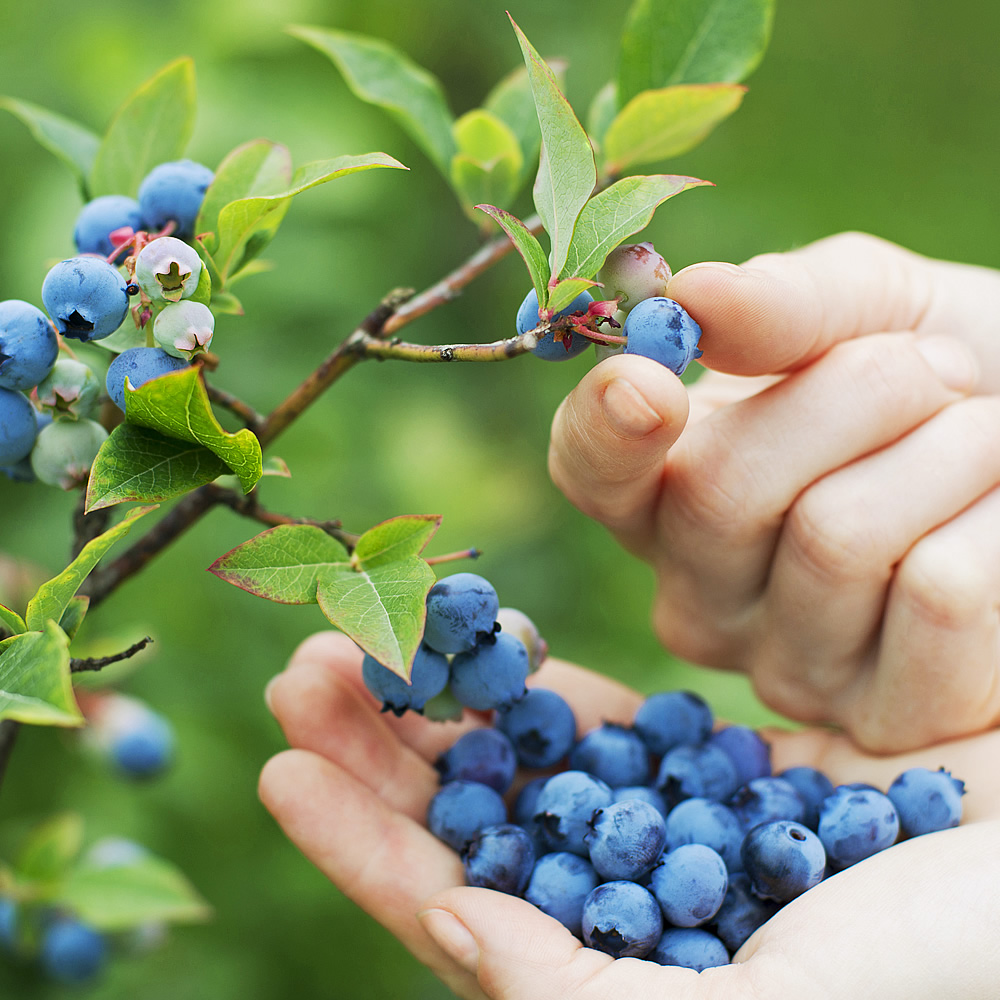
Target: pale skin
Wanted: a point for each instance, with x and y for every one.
(823, 512)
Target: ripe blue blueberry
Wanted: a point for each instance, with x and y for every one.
(625, 839)
(688, 772)
(782, 859)
(461, 809)
(813, 786)
(524, 812)
(559, 885)
(644, 792)
(138, 365)
(673, 718)
(144, 748)
(173, 192)
(492, 675)
(565, 806)
(746, 749)
(701, 821)
(742, 912)
(689, 948)
(65, 451)
(613, 753)
(927, 800)
(483, 755)
(427, 679)
(855, 823)
(101, 217)
(764, 800)
(690, 884)
(18, 427)
(499, 857)
(661, 329)
(72, 952)
(86, 298)
(461, 611)
(621, 919)
(28, 345)
(548, 348)
(541, 726)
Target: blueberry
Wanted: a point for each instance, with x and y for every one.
(688, 772)
(690, 883)
(65, 451)
(499, 857)
(749, 753)
(559, 885)
(673, 718)
(461, 610)
(115, 852)
(927, 800)
(517, 623)
(701, 821)
(145, 748)
(101, 217)
(184, 329)
(855, 823)
(72, 952)
(661, 329)
(643, 792)
(625, 839)
(783, 859)
(565, 806)
(70, 389)
(549, 349)
(139, 365)
(621, 919)
(525, 810)
(634, 272)
(689, 948)
(492, 675)
(613, 753)
(428, 678)
(173, 192)
(483, 755)
(167, 269)
(813, 786)
(541, 726)
(18, 427)
(28, 345)
(742, 912)
(764, 800)
(8, 924)
(86, 298)
(461, 809)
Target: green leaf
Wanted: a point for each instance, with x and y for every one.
(282, 564)
(124, 896)
(610, 217)
(691, 41)
(11, 621)
(603, 109)
(35, 680)
(127, 336)
(563, 292)
(137, 463)
(177, 406)
(444, 707)
(527, 246)
(53, 597)
(247, 225)
(153, 126)
(488, 162)
(382, 609)
(566, 170)
(659, 124)
(395, 539)
(73, 143)
(226, 303)
(51, 847)
(257, 167)
(382, 75)
(72, 617)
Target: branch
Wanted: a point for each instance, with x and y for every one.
(77, 665)
(398, 350)
(250, 417)
(86, 527)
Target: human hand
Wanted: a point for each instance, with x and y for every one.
(827, 516)
(918, 921)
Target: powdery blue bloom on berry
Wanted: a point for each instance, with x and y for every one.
(632, 273)
(701, 821)
(742, 912)
(548, 348)
(138, 365)
(783, 859)
(613, 753)
(135, 738)
(643, 792)
(71, 389)
(461, 809)
(622, 920)
(65, 451)
(499, 857)
(814, 786)
(524, 814)
(661, 329)
(517, 623)
(18, 427)
(184, 329)
(927, 800)
(625, 839)
(173, 192)
(690, 884)
(167, 269)
(28, 345)
(689, 948)
(764, 800)
(746, 749)
(483, 755)
(492, 675)
(688, 772)
(101, 217)
(673, 718)
(855, 823)
(428, 678)
(559, 885)
(541, 726)
(566, 804)
(461, 611)
(72, 952)
(86, 298)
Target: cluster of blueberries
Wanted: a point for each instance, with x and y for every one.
(669, 839)
(47, 402)
(655, 326)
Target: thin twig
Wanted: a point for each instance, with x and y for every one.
(78, 665)
(86, 527)
(250, 417)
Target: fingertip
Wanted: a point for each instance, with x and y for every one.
(324, 647)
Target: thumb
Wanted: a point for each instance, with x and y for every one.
(610, 437)
(779, 311)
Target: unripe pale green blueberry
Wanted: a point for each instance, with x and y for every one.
(633, 272)
(518, 624)
(184, 329)
(65, 451)
(168, 269)
(70, 390)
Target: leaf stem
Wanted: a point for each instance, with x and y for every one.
(454, 556)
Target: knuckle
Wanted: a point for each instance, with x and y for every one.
(942, 588)
(684, 627)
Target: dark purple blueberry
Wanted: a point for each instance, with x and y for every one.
(483, 755)
(813, 786)
(461, 610)
(461, 809)
(673, 718)
(626, 839)
(541, 726)
(742, 912)
(644, 792)
(621, 919)
(613, 753)
(492, 675)
(783, 859)
(688, 772)
(751, 755)
(565, 806)
(428, 678)
(764, 800)
(559, 885)
(499, 857)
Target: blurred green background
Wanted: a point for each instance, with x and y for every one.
(876, 116)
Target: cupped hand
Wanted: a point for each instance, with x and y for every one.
(917, 921)
(826, 518)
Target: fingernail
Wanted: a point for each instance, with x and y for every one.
(951, 361)
(451, 936)
(627, 412)
(268, 693)
(713, 265)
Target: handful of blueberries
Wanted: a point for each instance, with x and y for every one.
(669, 839)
